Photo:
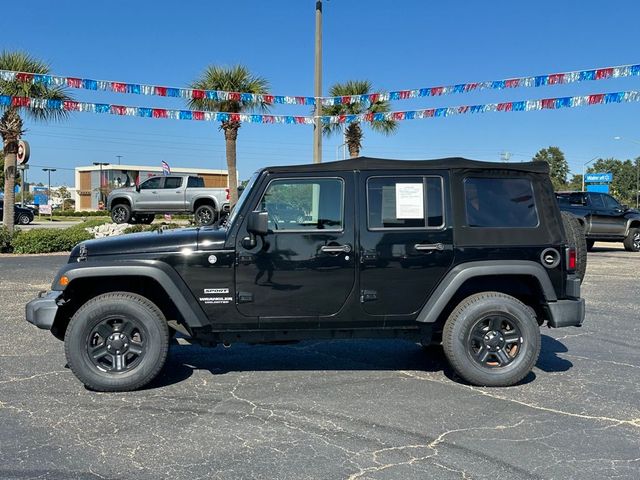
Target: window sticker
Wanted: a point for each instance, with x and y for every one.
(409, 200)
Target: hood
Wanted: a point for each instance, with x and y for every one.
(150, 242)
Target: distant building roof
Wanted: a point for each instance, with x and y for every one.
(149, 168)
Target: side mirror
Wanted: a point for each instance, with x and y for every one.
(257, 223)
(624, 207)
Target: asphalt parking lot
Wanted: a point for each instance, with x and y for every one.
(329, 410)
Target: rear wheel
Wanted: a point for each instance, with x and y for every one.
(632, 241)
(121, 213)
(491, 339)
(205, 215)
(577, 240)
(117, 342)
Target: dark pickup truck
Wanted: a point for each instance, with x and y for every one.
(604, 218)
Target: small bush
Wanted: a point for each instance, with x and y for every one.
(6, 239)
(136, 229)
(49, 240)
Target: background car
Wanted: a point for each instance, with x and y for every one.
(22, 216)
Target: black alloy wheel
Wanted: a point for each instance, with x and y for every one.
(494, 341)
(121, 213)
(117, 344)
(205, 215)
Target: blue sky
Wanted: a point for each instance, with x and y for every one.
(397, 45)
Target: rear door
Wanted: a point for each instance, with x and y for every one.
(405, 241)
(171, 195)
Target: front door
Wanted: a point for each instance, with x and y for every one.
(405, 241)
(147, 197)
(304, 268)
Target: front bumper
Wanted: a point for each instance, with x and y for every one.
(566, 313)
(42, 311)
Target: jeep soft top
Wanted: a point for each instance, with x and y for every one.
(469, 254)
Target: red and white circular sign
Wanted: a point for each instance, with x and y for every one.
(23, 152)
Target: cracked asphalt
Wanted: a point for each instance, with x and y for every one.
(329, 410)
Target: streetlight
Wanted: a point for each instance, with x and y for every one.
(637, 166)
(101, 164)
(118, 157)
(584, 166)
(49, 201)
(317, 91)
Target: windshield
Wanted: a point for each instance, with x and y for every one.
(243, 198)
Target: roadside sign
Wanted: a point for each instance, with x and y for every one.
(23, 152)
(598, 177)
(44, 209)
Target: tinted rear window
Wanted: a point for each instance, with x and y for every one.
(500, 202)
(195, 182)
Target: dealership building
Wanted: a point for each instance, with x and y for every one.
(93, 183)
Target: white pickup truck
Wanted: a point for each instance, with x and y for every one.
(168, 194)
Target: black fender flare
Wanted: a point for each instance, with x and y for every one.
(456, 277)
(167, 277)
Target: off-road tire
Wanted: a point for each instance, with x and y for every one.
(576, 239)
(121, 213)
(205, 215)
(632, 240)
(458, 343)
(108, 307)
(24, 219)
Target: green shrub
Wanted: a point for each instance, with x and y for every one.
(6, 240)
(136, 229)
(48, 240)
(72, 213)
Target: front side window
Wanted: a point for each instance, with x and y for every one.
(406, 202)
(151, 184)
(596, 200)
(172, 182)
(304, 204)
(500, 202)
(610, 202)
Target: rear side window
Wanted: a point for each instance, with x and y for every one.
(195, 182)
(405, 202)
(500, 202)
(172, 182)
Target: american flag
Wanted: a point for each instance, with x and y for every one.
(166, 169)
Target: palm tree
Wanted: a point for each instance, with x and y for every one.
(11, 124)
(353, 131)
(230, 79)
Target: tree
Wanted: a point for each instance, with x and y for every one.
(576, 183)
(64, 194)
(353, 130)
(11, 124)
(230, 79)
(558, 166)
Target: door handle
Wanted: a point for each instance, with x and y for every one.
(424, 247)
(335, 248)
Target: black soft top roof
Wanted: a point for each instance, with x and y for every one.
(367, 163)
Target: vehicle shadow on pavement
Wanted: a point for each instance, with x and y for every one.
(549, 361)
(334, 355)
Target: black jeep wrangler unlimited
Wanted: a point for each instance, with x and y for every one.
(470, 254)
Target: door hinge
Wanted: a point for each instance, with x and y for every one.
(368, 296)
(245, 297)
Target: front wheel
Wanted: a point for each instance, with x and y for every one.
(632, 241)
(117, 342)
(492, 339)
(24, 219)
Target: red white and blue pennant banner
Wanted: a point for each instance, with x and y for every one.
(519, 106)
(216, 95)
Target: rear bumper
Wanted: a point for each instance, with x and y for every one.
(42, 311)
(566, 313)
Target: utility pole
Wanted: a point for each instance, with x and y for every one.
(49, 201)
(317, 124)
